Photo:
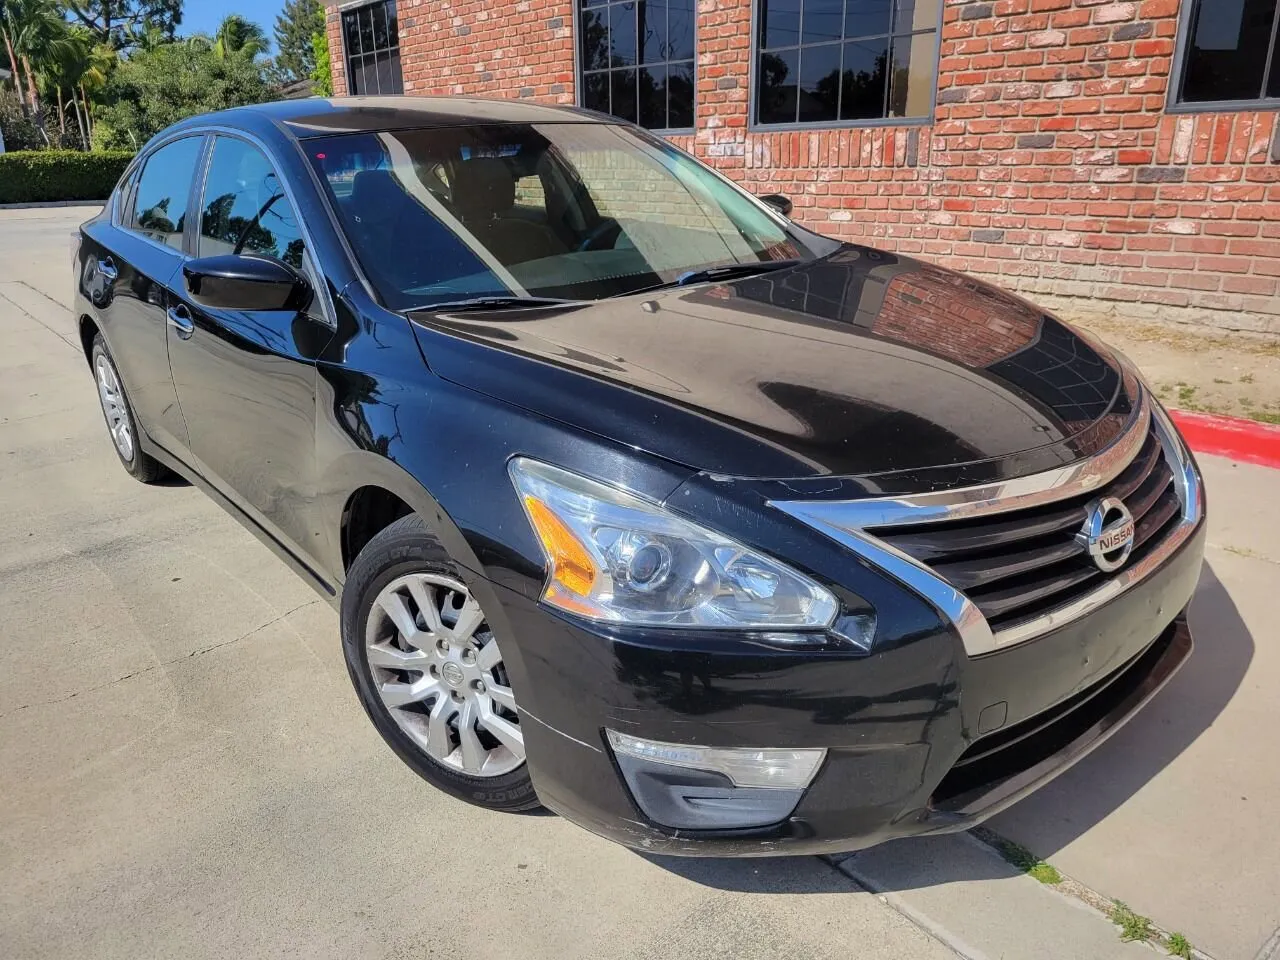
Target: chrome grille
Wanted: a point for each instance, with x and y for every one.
(1019, 565)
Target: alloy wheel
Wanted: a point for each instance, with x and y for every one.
(114, 407)
(438, 670)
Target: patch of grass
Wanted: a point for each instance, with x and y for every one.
(1022, 858)
(1179, 946)
(1265, 417)
(1247, 378)
(1133, 926)
(1220, 380)
(1186, 395)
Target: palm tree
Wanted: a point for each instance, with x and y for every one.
(8, 19)
(238, 37)
(36, 32)
(71, 64)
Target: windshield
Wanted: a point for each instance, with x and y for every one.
(571, 210)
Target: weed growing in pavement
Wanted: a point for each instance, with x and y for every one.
(1133, 926)
(1179, 946)
(1247, 378)
(1022, 858)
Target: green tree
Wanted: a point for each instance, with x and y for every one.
(321, 74)
(239, 38)
(297, 23)
(123, 23)
(38, 35)
(153, 88)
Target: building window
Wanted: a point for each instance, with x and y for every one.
(373, 49)
(636, 60)
(828, 62)
(1229, 53)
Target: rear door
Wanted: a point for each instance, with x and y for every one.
(246, 379)
(129, 264)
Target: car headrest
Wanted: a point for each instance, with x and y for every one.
(376, 196)
(482, 188)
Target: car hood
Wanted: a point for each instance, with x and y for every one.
(860, 364)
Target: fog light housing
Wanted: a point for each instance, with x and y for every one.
(690, 787)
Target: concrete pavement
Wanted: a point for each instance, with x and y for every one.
(186, 772)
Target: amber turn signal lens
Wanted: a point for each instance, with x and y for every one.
(571, 564)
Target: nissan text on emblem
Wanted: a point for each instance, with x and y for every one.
(1107, 533)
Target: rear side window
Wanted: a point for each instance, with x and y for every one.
(160, 202)
(245, 207)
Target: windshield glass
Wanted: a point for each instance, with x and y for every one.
(572, 210)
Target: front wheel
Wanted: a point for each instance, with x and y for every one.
(429, 671)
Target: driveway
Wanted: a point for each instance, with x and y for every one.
(186, 772)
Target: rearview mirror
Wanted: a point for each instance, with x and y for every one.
(778, 202)
(234, 282)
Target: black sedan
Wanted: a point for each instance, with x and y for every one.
(639, 500)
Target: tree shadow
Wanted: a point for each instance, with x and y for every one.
(1063, 809)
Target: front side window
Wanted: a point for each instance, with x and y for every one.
(245, 208)
(831, 61)
(160, 201)
(1229, 54)
(572, 210)
(636, 60)
(371, 37)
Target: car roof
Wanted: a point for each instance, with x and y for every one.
(317, 116)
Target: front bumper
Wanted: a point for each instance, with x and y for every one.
(899, 725)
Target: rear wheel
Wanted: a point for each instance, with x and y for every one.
(429, 671)
(119, 416)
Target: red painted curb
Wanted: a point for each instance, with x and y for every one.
(1246, 440)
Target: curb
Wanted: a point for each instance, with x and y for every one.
(43, 204)
(1234, 437)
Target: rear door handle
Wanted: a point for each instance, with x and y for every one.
(180, 320)
(107, 269)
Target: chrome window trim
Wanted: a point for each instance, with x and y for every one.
(847, 522)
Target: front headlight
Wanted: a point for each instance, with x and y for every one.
(616, 557)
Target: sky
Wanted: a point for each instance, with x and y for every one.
(202, 16)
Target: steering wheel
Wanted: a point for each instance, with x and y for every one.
(607, 230)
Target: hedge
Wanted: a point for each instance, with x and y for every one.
(28, 176)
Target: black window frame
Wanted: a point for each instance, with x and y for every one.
(579, 73)
(353, 9)
(757, 48)
(129, 213)
(1178, 71)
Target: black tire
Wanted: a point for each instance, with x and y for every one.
(140, 465)
(408, 546)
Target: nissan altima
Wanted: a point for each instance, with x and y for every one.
(637, 499)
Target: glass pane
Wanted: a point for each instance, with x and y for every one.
(397, 80)
(916, 15)
(822, 20)
(681, 24)
(595, 92)
(653, 97)
(653, 30)
(911, 77)
(393, 30)
(383, 66)
(780, 22)
(595, 39)
(1273, 82)
(680, 96)
(864, 18)
(1227, 50)
(160, 203)
(622, 84)
(379, 14)
(622, 34)
(863, 80)
(366, 29)
(819, 82)
(776, 100)
(245, 208)
(351, 30)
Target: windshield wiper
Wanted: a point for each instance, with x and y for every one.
(498, 303)
(725, 271)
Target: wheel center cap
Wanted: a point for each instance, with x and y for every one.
(452, 674)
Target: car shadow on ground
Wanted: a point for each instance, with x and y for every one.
(1063, 809)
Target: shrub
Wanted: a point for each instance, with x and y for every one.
(19, 130)
(30, 176)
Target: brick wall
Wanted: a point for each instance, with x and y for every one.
(1050, 167)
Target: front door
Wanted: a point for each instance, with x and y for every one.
(246, 379)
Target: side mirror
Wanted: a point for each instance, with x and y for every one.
(234, 282)
(778, 202)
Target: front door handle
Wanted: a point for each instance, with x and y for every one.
(180, 320)
(108, 270)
